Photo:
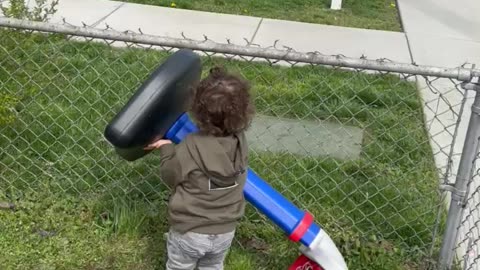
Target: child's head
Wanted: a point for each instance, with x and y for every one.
(221, 104)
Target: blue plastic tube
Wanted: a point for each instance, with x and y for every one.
(297, 224)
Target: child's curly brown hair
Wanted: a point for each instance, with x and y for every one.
(222, 104)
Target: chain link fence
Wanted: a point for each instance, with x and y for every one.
(364, 145)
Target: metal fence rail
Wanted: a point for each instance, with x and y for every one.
(273, 53)
(370, 154)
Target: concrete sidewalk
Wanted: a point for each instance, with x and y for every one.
(442, 32)
(172, 22)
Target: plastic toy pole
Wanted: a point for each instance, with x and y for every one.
(297, 224)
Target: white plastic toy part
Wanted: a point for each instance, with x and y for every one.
(324, 252)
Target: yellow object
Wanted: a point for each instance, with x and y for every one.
(173, 5)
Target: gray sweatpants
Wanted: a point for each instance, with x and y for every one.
(191, 250)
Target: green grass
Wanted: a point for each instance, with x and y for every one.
(109, 214)
(369, 14)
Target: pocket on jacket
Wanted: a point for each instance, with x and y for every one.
(214, 185)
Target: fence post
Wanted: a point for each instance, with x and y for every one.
(459, 189)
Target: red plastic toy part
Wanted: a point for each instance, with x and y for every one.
(304, 263)
(302, 227)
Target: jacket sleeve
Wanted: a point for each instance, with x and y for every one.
(170, 168)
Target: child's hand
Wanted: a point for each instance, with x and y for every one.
(157, 144)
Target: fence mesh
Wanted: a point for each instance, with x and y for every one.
(352, 146)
